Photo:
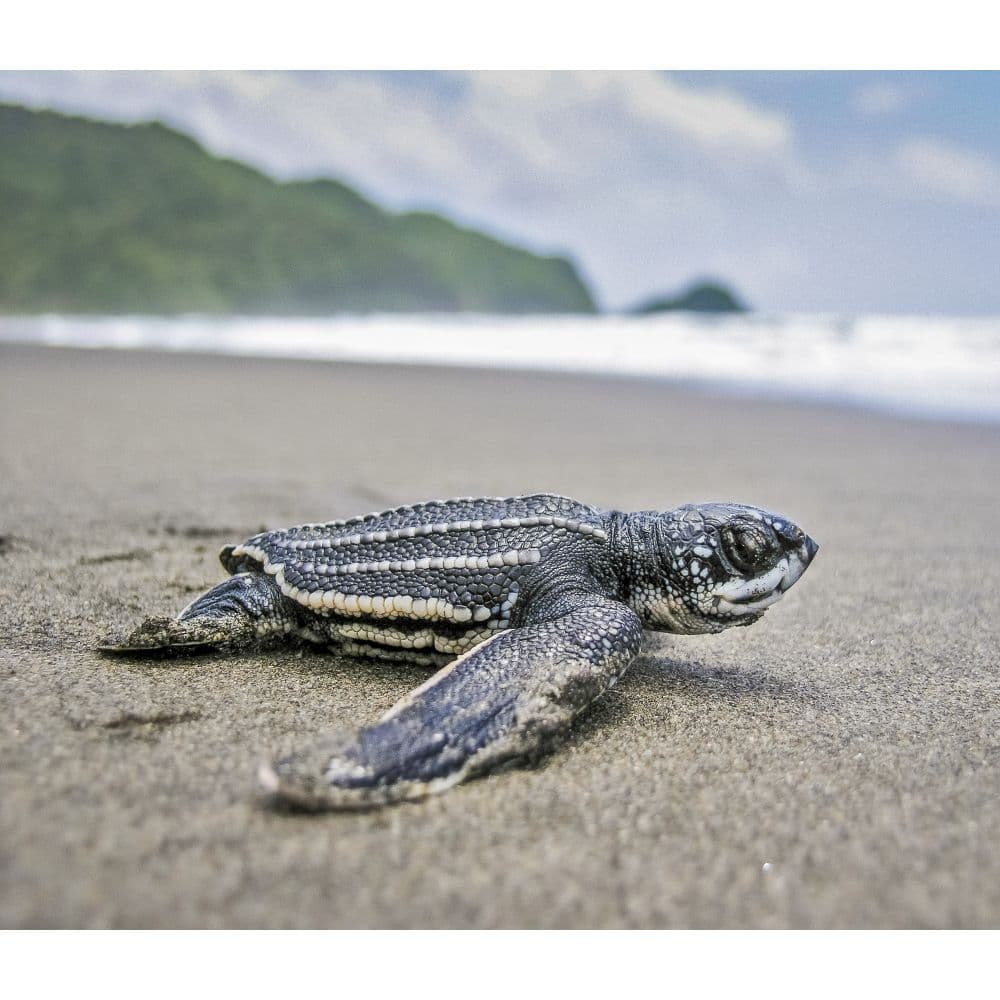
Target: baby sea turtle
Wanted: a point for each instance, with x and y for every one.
(533, 606)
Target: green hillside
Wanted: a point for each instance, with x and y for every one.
(704, 297)
(96, 217)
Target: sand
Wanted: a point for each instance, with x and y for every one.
(836, 765)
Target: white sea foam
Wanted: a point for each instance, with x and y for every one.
(935, 367)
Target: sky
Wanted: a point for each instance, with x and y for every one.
(816, 192)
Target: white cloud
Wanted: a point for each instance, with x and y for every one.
(883, 98)
(712, 118)
(940, 169)
(517, 109)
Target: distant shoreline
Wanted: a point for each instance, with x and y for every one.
(944, 369)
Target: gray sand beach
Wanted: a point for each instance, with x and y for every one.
(836, 765)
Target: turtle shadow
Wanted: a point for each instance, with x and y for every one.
(655, 676)
(652, 676)
(323, 659)
(717, 680)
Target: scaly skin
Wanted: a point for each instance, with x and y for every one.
(542, 599)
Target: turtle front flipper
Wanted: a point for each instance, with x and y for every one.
(241, 611)
(508, 698)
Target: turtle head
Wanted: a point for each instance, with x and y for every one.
(716, 565)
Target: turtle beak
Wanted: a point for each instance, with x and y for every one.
(798, 562)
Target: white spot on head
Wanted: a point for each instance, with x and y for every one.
(758, 586)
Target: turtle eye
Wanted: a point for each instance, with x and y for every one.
(745, 547)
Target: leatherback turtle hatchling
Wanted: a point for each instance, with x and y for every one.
(533, 606)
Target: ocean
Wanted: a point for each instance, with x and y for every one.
(926, 367)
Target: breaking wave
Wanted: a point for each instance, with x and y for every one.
(932, 367)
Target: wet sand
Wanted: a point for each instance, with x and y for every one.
(836, 765)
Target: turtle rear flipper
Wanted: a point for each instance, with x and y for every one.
(239, 612)
(163, 636)
(508, 698)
